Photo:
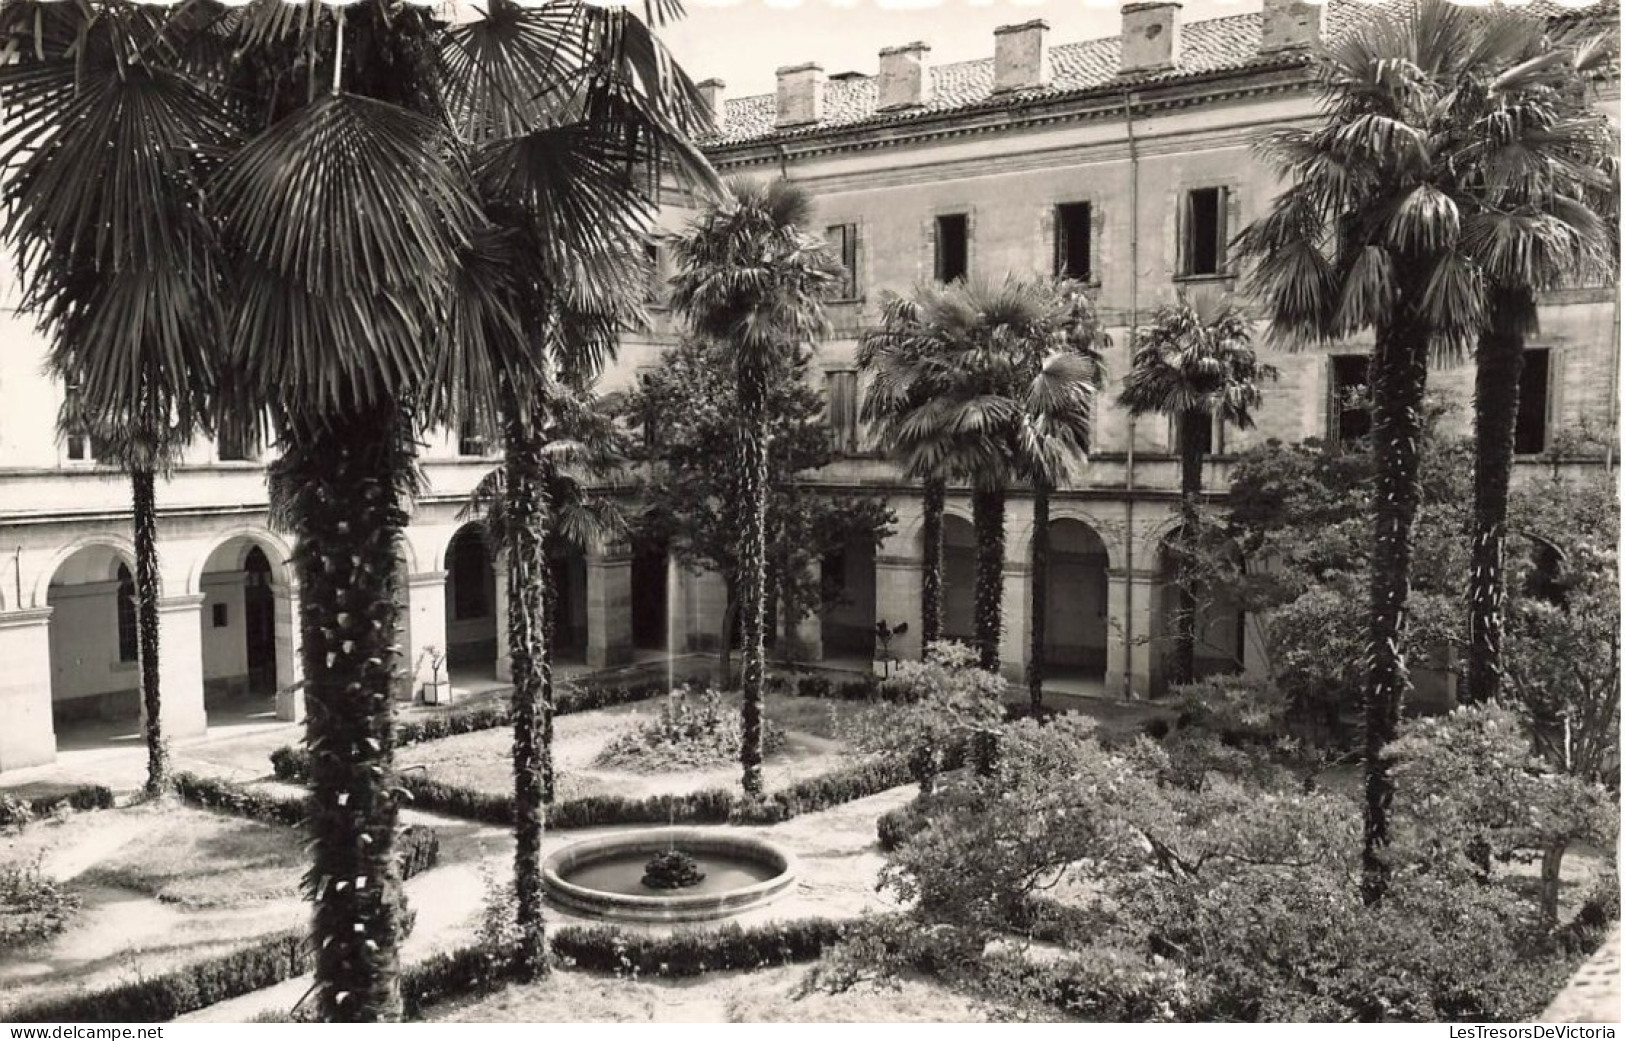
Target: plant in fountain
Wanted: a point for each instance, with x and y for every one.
(672, 869)
(694, 728)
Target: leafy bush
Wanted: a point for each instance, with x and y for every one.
(896, 827)
(693, 729)
(418, 848)
(693, 953)
(814, 687)
(710, 806)
(1097, 986)
(843, 785)
(33, 906)
(15, 812)
(216, 794)
(465, 972)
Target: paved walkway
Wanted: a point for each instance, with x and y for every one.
(1592, 996)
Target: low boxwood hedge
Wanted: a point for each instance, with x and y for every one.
(17, 812)
(693, 953)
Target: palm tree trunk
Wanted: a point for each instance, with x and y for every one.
(987, 513)
(936, 497)
(1190, 490)
(1495, 417)
(354, 470)
(752, 564)
(1399, 383)
(725, 643)
(144, 510)
(529, 578)
(1040, 596)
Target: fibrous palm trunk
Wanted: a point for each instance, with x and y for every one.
(987, 514)
(752, 565)
(1040, 596)
(1399, 382)
(935, 496)
(1495, 416)
(1190, 490)
(144, 507)
(529, 579)
(352, 473)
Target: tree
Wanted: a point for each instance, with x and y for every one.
(989, 385)
(688, 413)
(751, 279)
(1368, 236)
(1195, 364)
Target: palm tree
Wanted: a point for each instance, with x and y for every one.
(1369, 235)
(989, 385)
(534, 501)
(750, 277)
(350, 200)
(1194, 363)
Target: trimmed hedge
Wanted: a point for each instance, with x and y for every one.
(291, 763)
(693, 953)
(162, 998)
(462, 973)
(419, 846)
(15, 811)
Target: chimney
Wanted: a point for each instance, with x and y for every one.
(1020, 60)
(1150, 36)
(712, 92)
(801, 95)
(1290, 25)
(905, 81)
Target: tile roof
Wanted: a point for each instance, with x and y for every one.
(1229, 43)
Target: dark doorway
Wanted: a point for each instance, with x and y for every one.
(650, 616)
(259, 622)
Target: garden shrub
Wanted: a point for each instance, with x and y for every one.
(693, 729)
(1096, 986)
(465, 972)
(16, 812)
(895, 827)
(709, 806)
(694, 953)
(418, 848)
(33, 906)
(814, 687)
(843, 785)
(215, 794)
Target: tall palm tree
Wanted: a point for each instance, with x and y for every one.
(1194, 363)
(350, 200)
(750, 277)
(103, 156)
(1369, 236)
(988, 384)
(1539, 217)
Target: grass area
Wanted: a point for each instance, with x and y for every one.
(768, 996)
(482, 760)
(196, 859)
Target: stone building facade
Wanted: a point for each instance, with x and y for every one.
(1127, 162)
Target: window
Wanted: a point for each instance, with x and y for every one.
(1209, 438)
(469, 573)
(953, 246)
(843, 242)
(1073, 241)
(1534, 392)
(218, 614)
(127, 645)
(237, 444)
(655, 291)
(1203, 248)
(77, 440)
(469, 442)
(1350, 406)
(841, 393)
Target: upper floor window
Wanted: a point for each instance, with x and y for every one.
(128, 648)
(841, 391)
(1073, 240)
(235, 443)
(1209, 434)
(1534, 402)
(469, 441)
(843, 242)
(1202, 246)
(654, 292)
(77, 442)
(953, 246)
(1349, 410)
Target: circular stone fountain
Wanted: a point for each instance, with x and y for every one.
(604, 877)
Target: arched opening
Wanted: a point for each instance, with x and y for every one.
(651, 595)
(248, 630)
(958, 579)
(472, 610)
(95, 676)
(1219, 627)
(1076, 629)
(848, 626)
(569, 565)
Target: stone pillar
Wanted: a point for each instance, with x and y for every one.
(1138, 592)
(898, 587)
(1017, 616)
(500, 608)
(609, 606)
(180, 667)
(425, 628)
(290, 667)
(28, 737)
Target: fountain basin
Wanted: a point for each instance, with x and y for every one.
(602, 877)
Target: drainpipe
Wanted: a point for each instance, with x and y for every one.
(1133, 323)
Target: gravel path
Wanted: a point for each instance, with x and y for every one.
(1592, 996)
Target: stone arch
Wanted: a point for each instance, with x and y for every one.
(276, 549)
(119, 544)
